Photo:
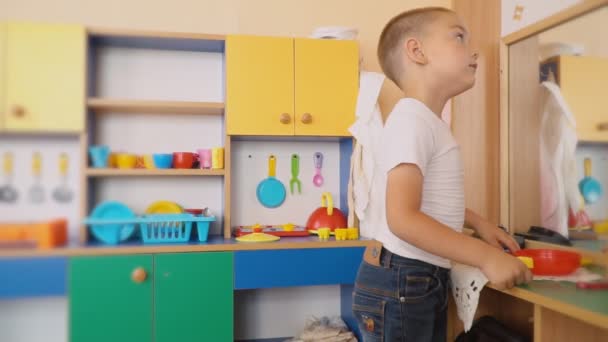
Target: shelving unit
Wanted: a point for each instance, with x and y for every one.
(133, 74)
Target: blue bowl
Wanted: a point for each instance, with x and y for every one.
(99, 155)
(162, 160)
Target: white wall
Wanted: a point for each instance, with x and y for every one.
(589, 31)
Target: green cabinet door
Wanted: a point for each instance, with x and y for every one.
(108, 301)
(193, 297)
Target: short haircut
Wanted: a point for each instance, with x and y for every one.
(404, 25)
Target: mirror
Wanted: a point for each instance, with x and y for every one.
(558, 128)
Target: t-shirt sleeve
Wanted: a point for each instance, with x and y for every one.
(408, 139)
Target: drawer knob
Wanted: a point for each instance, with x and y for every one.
(139, 275)
(18, 111)
(285, 118)
(603, 126)
(306, 118)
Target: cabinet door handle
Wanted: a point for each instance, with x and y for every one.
(285, 118)
(602, 126)
(18, 111)
(306, 118)
(139, 275)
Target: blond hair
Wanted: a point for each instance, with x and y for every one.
(404, 25)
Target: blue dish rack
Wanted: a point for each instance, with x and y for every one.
(160, 228)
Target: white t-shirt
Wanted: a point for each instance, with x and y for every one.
(414, 134)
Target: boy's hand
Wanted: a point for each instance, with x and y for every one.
(496, 237)
(504, 270)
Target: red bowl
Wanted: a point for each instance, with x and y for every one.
(552, 262)
(183, 160)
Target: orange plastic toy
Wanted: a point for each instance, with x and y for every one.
(42, 235)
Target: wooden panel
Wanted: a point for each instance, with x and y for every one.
(45, 76)
(582, 81)
(213, 244)
(268, 269)
(155, 107)
(259, 85)
(551, 326)
(227, 186)
(193, 297)
(32, 277)
(561, 17)
(105, 304)
(475, 119)
(111, 32)
(326, 86)
(524, 130)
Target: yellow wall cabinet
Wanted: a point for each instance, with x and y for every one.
(285, 86)
(583, 83)
(43, 77)
(2, 72)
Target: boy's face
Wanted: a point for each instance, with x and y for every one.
(451, 60)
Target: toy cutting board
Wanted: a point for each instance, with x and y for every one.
(276, 230)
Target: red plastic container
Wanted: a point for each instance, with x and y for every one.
(552, 262)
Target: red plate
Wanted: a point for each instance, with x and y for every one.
(552, 262)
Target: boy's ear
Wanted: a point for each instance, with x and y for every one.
(414, 51)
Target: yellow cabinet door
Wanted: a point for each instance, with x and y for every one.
(583, 84)
(2, 72)
(45, 77)
(259, 85)
(326, 86)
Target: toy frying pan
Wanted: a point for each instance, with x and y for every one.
(271, 192)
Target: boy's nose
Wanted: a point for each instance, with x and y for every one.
(475, 56)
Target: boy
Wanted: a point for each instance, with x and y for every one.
(402, 286)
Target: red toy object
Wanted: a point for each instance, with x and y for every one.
(326, 216)
(552, 262)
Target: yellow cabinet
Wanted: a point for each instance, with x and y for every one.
(327, 81)
(259, 85)
(583, 84)
(284, 86)
(2, 72)
(44, 77)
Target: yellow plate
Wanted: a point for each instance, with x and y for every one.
(164, 207)
(257, 237)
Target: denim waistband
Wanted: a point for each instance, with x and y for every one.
(388, 259)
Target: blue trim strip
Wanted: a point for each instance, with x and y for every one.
(346, 150)
(301, 267)
(33, 277)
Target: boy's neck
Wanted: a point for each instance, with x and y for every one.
(435, 102)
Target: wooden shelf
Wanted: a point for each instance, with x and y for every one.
(155, 107)
(95, 172)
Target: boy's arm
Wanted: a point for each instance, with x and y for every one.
(406, 221)
(489, 232)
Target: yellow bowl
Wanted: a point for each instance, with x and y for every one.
(126, 161)
(149, 162)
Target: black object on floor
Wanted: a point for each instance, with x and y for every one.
(488, 329)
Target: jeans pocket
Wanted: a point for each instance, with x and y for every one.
(418, 287)
(369, 313)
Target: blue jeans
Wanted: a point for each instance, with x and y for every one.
(401, 300)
